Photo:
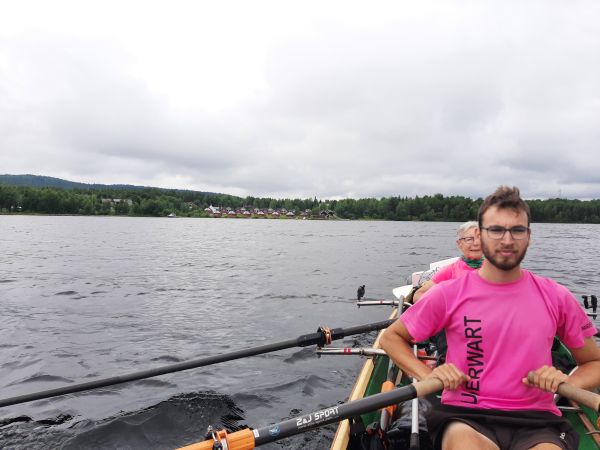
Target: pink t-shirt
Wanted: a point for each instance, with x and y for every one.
(497, 333)
(455, 270)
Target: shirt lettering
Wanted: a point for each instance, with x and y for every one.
(474, 351)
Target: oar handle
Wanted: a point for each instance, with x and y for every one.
(239, 440)
(428, 386)
(578, 395)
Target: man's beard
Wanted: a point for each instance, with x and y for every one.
(501, 262)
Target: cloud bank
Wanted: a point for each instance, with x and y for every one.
(303, 99)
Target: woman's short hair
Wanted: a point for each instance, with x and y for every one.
(466, 227)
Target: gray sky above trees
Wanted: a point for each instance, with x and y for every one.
(308, 98)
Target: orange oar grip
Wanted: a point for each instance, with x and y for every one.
(386, 387)
(240, 440)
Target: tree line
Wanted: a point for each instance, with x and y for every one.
(161, 202)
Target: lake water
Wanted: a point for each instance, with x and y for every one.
(83, 298)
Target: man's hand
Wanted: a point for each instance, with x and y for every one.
(546, 378)
(449, 375)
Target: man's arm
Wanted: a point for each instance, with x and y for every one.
(396, 341)
(424, 288)
(587, 375)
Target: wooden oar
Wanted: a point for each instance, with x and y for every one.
(321, 337)
(248, 439)
(578, 395)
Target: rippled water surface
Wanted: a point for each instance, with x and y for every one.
(83, 298)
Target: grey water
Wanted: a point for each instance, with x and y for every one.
(84, 298)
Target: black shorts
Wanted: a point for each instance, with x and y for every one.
(509, 430)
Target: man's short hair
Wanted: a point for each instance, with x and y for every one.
(504, 198)
(466, 227)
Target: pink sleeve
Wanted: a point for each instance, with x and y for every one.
(574, 324)
(444, 274)
(427, 317)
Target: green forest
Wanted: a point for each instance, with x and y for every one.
(162, 202)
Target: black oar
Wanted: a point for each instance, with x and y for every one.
(321, 337)
(248, 439)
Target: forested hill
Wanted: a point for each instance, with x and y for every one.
(42, 181)
(80, 198)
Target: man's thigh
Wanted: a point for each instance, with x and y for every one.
(467, 436)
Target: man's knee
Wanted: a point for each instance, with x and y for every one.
(545, 446)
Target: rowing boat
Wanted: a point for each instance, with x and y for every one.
(375, 370)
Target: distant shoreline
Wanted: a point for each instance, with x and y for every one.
(4, 213)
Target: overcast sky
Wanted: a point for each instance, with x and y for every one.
(331, 99)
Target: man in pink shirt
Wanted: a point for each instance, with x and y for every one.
(500, 323)
(470, 246)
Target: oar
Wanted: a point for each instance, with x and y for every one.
(361, 351)
(321, 337)
(248, 439)
(400, 293)
(351, 351)
(414, 428)
(578, 395)
(388, 413)
(377, 302)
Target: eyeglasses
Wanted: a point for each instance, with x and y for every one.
(467, 240)
(517, 233)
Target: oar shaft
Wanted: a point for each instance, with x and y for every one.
(325, 416)
(147, 373)
(352, 351)
(377, 302)
(414, 425)
(578, 395)
(362, 351)
(581, 396)
(317, 338)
